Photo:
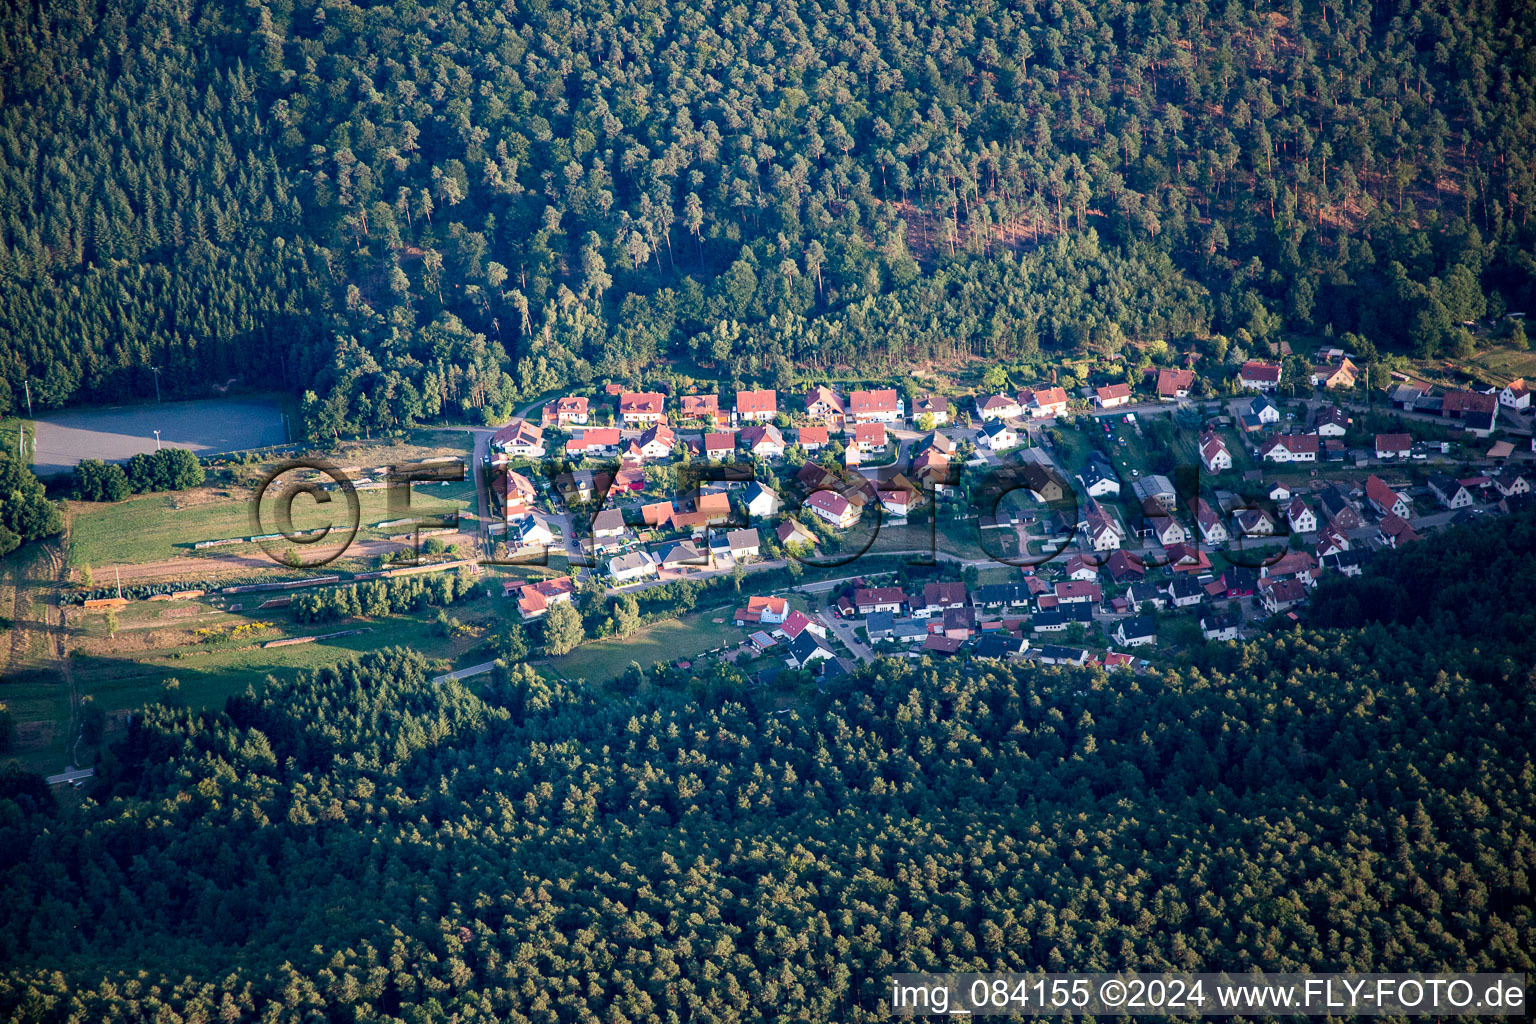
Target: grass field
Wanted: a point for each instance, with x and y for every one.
(1502, 365)
(686, 637)
(153, 527)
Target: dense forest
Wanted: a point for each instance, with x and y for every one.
(358, 845)
(410, 210)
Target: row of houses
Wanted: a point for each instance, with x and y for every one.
(641, 409)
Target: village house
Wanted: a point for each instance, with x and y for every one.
(794, 532)
(565, 412)
(1100, 529)
(1043, 482)
(720, 446)
(1252, 522)
(1047, 402)
(639, 409)
(760, 500)
(997, 435)
(1516, 395)
(1282, 594)
(1394, 446)
(1300, 517)
(938, 598)
(763, 442)
(1339, 509)
(535, 599)
(531, 531)
(657, 442)
(519, 439)
(715, 505)
(1078, 592)
(1478, 412)
(1098, 478)
(631, 566)
(1112, 395)
(996, 407)
(883, 405)
(1222, 624)
(1341, 374)
(1331, 421)
(757, 406)
(898, 501)
(704, 410)
(656, 514)
(869, 437)
(745, 544)
(826, 406)
(1259, 376)
(1157, 489)
(1330, 541)
(1394, 531)
(608, 525)
(1212, 530)
(1185, 592)
(1509, 482)
(1214, 455)
(1290, 448)
(595, 441)
(1139, 631)
(683, 556)
(797, 622)
(806, 649)
(833, 508)
(518, 495)
(1449, 492)
(812, 439)
(879, 599)
(767, 611)
(1385, 500)
(936, 406)
(1172, 384)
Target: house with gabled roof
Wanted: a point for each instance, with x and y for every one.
(1214, 455)
(565, 412)
(1259, 376)
(812, 439)
(720, 445)
(1278, 595)
(995, 407)
(642, 408)
(1394, 446)
(936, 406)
(1394, 531)
(826, 406)
(833, 508)
(1112, 395)
(882, 405)
(757, 406)
(534, 599)
(1330, 421)
(1136, 631)
(1449, 492)
(763, 441)
(1516, 395)
(1047, 402)
(704, 410)
(1172, 383)
(519, 439)
(1300, 516)
(1212, 530)
(1290, 448)
(1384, 499)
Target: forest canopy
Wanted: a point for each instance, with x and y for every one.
(356, 844)
(418, 210)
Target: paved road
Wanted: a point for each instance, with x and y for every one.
(845, 633)
(464, 673)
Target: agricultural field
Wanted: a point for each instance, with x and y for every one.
(203, 427)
